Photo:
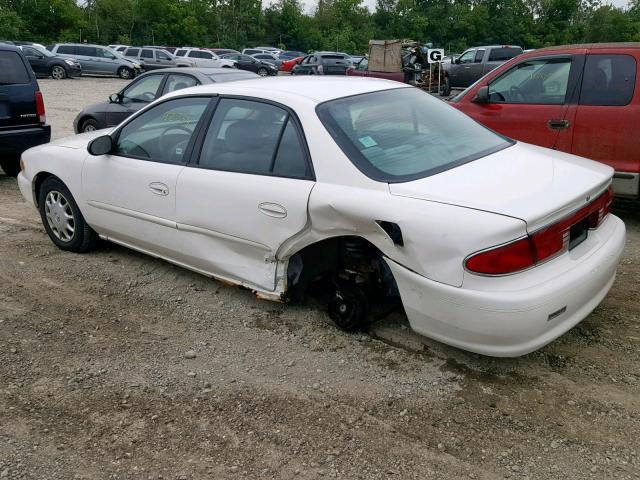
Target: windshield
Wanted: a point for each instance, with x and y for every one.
(403, 134)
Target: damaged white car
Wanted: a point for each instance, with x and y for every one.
(372, 189)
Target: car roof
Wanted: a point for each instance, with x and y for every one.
(315, 89)
(9, 48)
(589, 46)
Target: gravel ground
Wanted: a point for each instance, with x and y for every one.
(117, 365)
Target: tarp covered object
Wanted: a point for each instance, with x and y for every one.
(385, 55)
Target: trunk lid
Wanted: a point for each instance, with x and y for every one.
(531, 183)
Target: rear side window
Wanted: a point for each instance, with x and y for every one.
(146, 53)
(12, 69)
(87, 51)
(608, 80)
(180, 53)
(254, 138)
(251, 52)
(503, 54)
(66, 50)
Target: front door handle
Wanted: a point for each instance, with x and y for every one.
(159, 188)
(273, 209)
(555, 124)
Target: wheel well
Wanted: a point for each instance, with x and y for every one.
(349, 255)
(81, 122)
(37, 184)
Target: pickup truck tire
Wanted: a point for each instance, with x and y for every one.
(125, 73)
(10, 165)
(446, 88)
(62, 218)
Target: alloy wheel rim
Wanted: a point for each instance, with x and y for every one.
(57, 73)
(262, 72)
(125, 74)
(89, 128)
(59, 216)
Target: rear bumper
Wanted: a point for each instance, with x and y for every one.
(514, 315)
(18, 140)
(626, 184)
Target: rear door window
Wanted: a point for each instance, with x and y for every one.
(503, 54)
(12, 69)
(67, 50)
(608, 80)
(86, 51)
(145, 53)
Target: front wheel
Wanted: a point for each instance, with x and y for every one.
(263, 72)
(62, 218)
(89, 125)
(125, 73)
(58, 72)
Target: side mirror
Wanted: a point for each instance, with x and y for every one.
(100, 146)
(457, 61)
(114, 98)
(482, 96)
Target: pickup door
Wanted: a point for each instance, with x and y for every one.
(606, 115)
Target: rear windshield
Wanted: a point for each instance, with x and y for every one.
(333, 57)
(504, 54)
(12, 69)
(403, 134)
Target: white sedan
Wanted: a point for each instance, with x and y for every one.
(363, 189)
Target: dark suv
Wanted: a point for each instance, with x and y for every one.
(22, 118)
(323, 63)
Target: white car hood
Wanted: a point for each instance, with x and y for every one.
(81, 140)
(531, 183)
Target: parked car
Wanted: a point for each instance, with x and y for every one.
(362, 70)
(223, 51)
(578, 99)
(474, 63)
(288, 65)
(493, 246)
(155, 58)
(145, 89)
(247, 62)
(253, 51)
(290, 55)
(171, 50)
(204, 58)
(96, 59)
(356, 59)
(19, 43)
(46, 64)
(23, 123)
(271, 58)
(119, 48)
(323, 63)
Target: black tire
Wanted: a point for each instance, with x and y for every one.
(10, 164)
(349, 308)
(83, 238)
(58, 72)
(263, 72)
(89, 125)
(446, 89)
(125, 73)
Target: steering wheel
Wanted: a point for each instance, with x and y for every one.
(516, 94)
(162, 139)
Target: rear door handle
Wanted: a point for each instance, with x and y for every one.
(159, 188)
(555, 124)
(273, 209)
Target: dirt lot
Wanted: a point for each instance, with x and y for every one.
(116, 365)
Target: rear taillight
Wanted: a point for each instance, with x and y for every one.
(40, 108)
(542, 244)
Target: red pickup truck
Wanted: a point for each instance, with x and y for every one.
(581, 99)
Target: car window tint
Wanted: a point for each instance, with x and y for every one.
(291, 160)
(194, 54)
(67, 49)
(608, 80)
(478, 57)
(540, 82)
(243, 137)
(144, 90)
(180, 53)
(86, 51)
(12, 69)
(162, 56)
(251, 52)
(178, 82)
(102, 53)
(133, 52)
(503, 54)
(146, 53)
(30, 52)
(163, 132)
